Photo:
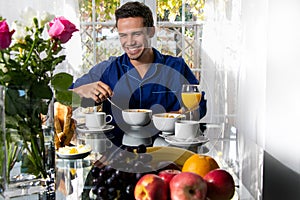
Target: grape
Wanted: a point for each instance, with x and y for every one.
(119, 173)
(141, 148)
(109, 170)
(103, 174)
(112, 192)
(112, 181)
(95, 171)
(129, 149)
(95, 189)
(129, 189)
(102, 191)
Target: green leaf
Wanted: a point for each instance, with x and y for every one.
(61, 81)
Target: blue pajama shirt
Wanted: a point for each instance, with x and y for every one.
(159, 90)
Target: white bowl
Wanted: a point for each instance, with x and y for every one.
(137, 117)
(165, 122)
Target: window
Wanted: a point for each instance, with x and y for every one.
(177, 34)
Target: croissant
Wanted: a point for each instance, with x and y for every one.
(64, 125)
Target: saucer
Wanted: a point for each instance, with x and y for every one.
(185, 142)
(82, 128)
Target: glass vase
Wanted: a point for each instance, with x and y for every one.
(27, 141)
(3, 181)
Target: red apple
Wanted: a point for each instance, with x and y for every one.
(188, 186)
(151, 187)
(220, 185)
(168, 174)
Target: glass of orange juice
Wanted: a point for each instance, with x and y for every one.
(191, 96)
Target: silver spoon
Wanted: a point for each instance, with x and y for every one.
(187, 111)
(112, 103)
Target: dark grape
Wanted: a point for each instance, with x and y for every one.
(112, 192)
(141, 148)
(129, 189)
(109, 170)
(99, 181)
(95, 189)
(112, 181)
(95, 171)
(119, 173)
(103, 174)
(102, 191)
(129, 149)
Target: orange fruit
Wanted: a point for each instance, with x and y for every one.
(199, 164)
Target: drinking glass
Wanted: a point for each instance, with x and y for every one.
(191, 96)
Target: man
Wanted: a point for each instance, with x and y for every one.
(140, 78)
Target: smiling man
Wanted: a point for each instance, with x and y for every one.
(140, 78)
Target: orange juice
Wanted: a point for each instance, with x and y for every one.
(191, 100)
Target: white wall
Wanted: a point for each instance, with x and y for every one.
(283, 82)
(264, 46)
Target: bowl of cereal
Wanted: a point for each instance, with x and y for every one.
(165, 122)
(137, 117)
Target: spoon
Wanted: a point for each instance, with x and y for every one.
(187, 111)
(112, 103)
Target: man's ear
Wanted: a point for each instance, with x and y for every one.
(151, 31)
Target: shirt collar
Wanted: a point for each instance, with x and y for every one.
(158, 59)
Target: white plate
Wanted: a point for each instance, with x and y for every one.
(183, 142)
(82, 128)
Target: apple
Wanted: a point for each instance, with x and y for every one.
(188, 186)
(220, 185)
(151, 187)
(168, 174)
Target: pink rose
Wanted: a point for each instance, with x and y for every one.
(61, 29)
(5, 35)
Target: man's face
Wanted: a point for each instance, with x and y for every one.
(134, 37)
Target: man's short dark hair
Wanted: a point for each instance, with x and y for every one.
(135, 9)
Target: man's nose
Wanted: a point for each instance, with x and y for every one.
(130, 40)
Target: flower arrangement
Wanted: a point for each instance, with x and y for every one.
(28, 58)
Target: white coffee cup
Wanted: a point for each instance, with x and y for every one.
(186, 129)
(97, 119)
(98, 145)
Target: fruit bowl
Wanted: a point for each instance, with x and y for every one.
(165, 122)
(137, 117)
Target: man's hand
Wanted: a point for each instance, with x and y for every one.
(98, 91)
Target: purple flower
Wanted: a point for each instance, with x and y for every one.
(5, 35)
(61, 29)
